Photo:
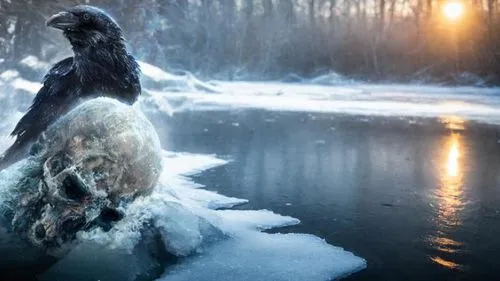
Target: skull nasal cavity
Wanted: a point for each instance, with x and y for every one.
(74, 188)
(109, 214)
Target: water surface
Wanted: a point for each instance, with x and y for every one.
(418, 198)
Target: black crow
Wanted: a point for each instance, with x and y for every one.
(101, 66)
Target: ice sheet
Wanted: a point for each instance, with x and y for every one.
(261, 256)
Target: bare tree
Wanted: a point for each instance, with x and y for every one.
(374, 39)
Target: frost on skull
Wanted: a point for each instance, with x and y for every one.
(98, 157)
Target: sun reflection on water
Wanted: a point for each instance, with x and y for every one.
(446, 263)
(453, 154)
(450, 197)
(450, 192)
(453, 122)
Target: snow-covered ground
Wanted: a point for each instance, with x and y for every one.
(478, 104)
(468, 103)
(213, 241)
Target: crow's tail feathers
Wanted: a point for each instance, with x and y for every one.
(15, 153)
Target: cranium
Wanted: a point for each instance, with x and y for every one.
(93, 160)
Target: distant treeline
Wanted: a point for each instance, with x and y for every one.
(379, 40)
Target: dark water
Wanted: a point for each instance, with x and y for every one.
(418, 198)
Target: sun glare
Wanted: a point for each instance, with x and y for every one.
(453, 10)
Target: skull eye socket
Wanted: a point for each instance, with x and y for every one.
(58, 163)
(100, 170)
(99, 173)
(74, 188)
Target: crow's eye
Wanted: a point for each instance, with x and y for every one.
(86, 16)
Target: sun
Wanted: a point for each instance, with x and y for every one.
(453, 10)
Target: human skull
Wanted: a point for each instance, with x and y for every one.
(99, 156)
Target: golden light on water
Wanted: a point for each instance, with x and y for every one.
(452, 122)
(453, 154)
(449, 196)
(445, 263)
(450, 192)
(453, 10)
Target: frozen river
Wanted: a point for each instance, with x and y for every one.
(417, 198)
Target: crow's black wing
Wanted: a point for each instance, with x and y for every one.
(44, 108)
(48, 104)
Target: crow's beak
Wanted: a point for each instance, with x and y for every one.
(63, 20)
